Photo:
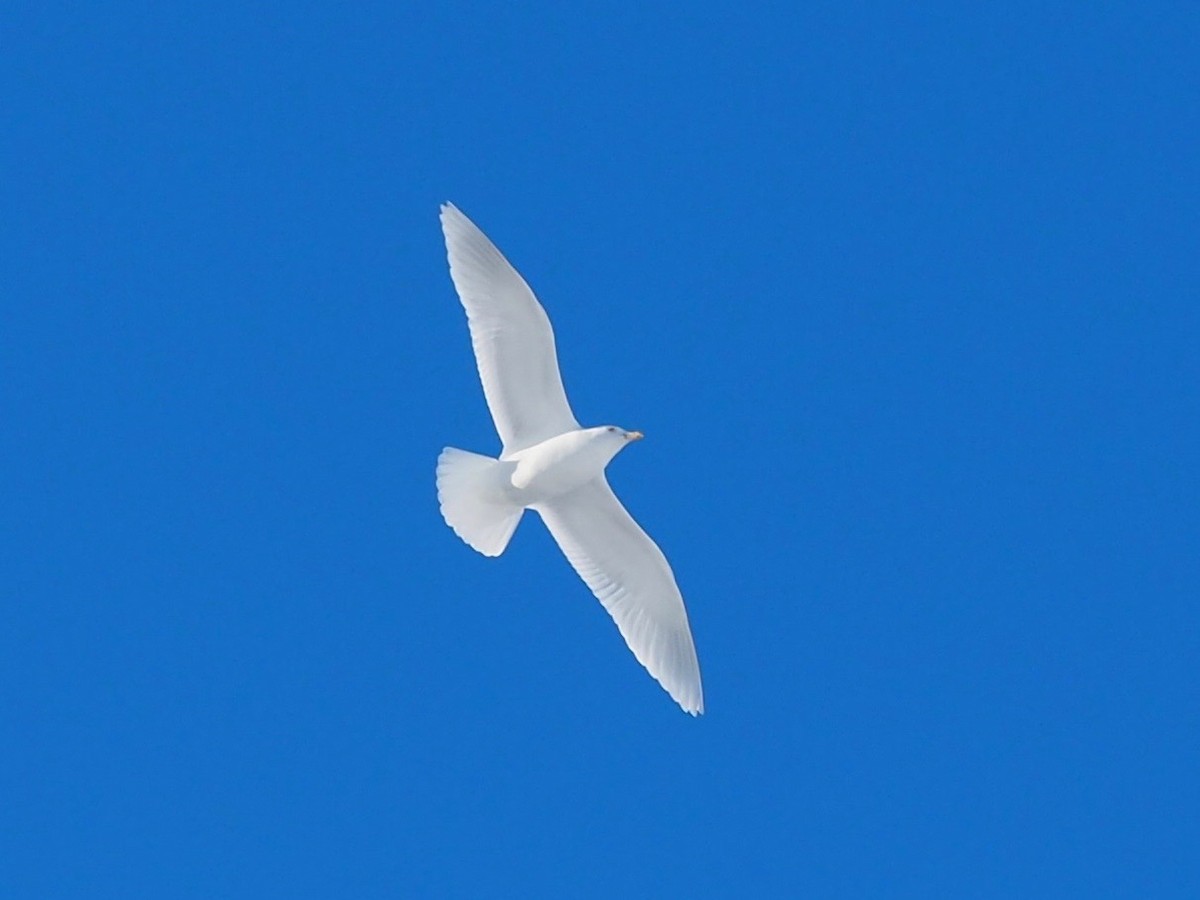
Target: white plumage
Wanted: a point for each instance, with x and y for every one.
(553, 466)
(514, 344)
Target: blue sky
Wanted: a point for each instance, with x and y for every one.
(904, 300)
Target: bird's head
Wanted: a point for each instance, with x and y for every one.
(614, 439)
(620, 435)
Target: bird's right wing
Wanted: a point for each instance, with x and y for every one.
(630, 576)
(514, 344)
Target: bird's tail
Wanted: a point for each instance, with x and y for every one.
(468, 487)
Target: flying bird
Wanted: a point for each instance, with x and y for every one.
(552, 465)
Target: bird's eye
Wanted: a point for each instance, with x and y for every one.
(610, 428)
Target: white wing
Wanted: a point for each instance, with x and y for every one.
(630, 576)
(514, 344)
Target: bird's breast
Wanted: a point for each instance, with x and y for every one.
(555, 467)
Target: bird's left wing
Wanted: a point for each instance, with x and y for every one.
(630, 576)
(512, 337)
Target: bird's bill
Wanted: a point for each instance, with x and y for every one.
(633, 435)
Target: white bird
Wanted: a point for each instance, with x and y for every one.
(552, 465)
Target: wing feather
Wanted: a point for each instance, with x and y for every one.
(631, 578)
(512, 337)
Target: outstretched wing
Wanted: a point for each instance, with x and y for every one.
(630, 576)
(514, 344)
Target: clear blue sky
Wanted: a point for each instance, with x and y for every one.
(906, 301)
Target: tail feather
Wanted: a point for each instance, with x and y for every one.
(468, 487)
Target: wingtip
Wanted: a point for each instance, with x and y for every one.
(455, 221)
(690, 699)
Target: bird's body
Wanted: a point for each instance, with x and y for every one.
(560, 464)
(555, 467)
